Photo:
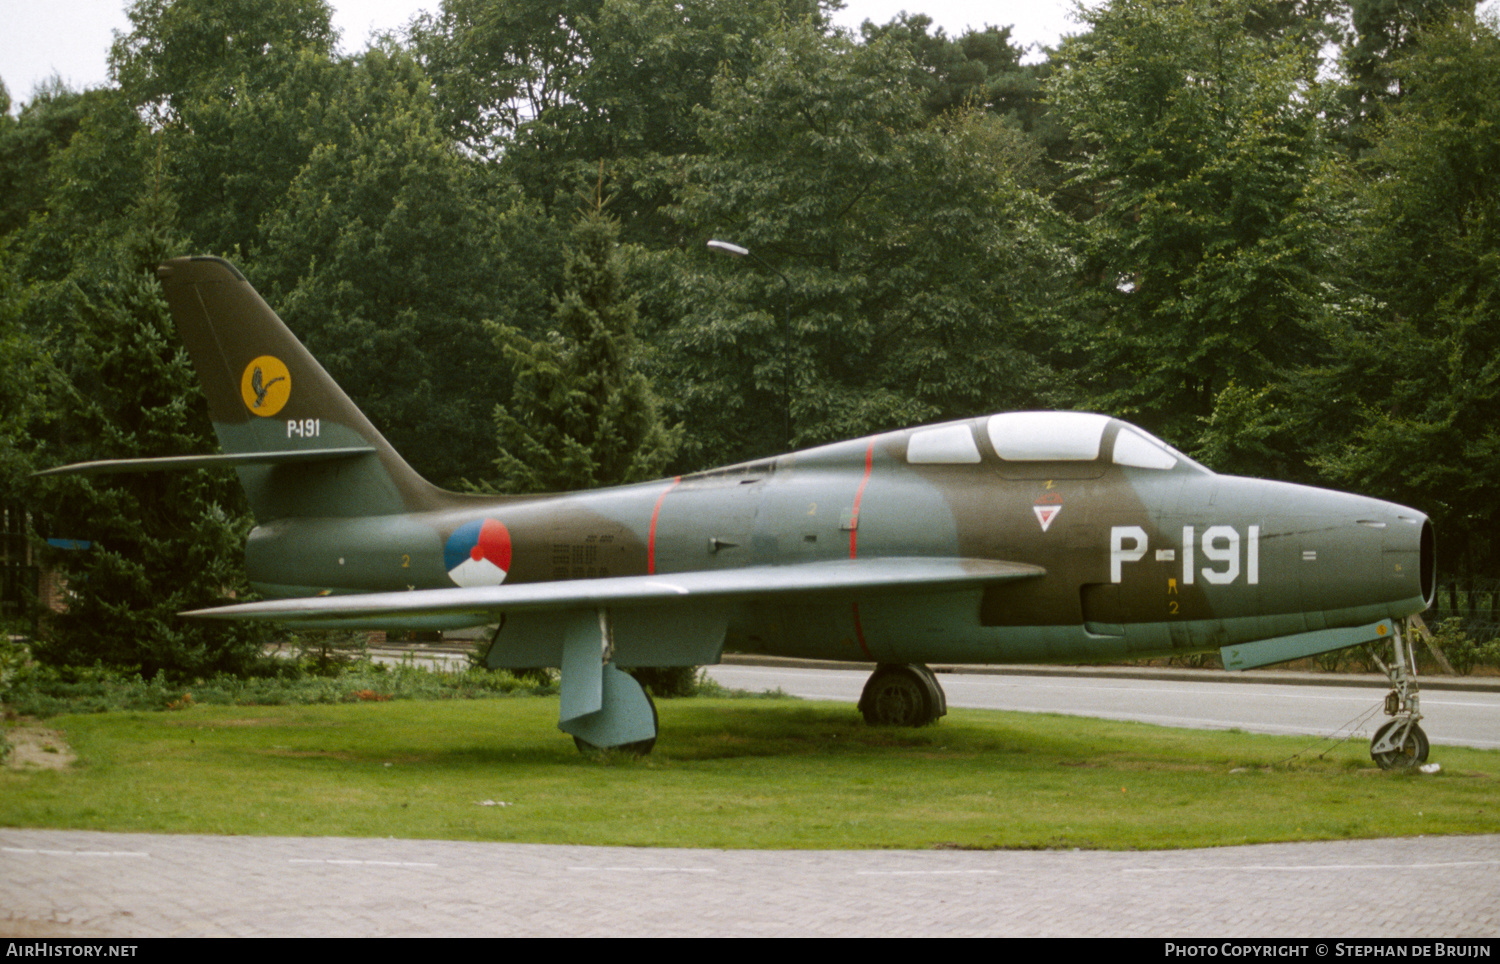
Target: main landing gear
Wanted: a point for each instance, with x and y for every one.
(636, 748)
(902, 695)
(1400, 744)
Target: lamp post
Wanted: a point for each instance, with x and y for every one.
(735, 250)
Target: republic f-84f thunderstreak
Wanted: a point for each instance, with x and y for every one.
(1013, 538)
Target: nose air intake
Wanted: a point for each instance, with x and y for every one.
(1411, 547)
(1429, 563)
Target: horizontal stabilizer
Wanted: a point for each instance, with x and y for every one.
(845, 576)
(173, 463)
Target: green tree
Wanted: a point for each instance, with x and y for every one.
(1381, 33)
(1202, 265)
(28, 144)
(582, 414)
(160, 543)
(652, 67)
(26, 381)
(549, 90)
(498, 65)
(332, 182)
(179, 52)
(910, 265)
(1423, 363)
(979, 68)
(386, 253)
(234, 90)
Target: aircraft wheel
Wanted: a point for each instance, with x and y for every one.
(1412, 753)
(897, 696)
(638, 748)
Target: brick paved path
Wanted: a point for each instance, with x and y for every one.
(67, 883)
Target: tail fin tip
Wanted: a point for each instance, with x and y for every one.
(268, 394)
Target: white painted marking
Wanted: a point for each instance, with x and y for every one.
(921, 873)
(648, 870)
(1303, 868)
(1118, 554)
(1228, 554)
(359, 863)
(74, 853)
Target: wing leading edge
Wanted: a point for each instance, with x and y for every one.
(479, 605)
(173, 463)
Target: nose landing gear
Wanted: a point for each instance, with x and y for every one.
(1400, 744)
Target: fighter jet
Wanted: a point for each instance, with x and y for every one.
(1020, 537)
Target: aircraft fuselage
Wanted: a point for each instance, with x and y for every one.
(1144, 551)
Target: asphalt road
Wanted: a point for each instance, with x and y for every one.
(1285, 703)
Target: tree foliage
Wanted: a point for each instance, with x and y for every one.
(582, 414)
(160, 543)
(234, 90)
(1200, 269)
(182, 52)
(902, 258)
(1381, 33)
(387, 251)
(497, 66)
(1181, 217)
(28, 143)
(1428, 355)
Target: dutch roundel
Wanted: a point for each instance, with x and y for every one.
(478, 553)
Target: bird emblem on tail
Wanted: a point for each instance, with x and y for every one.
(261, 387)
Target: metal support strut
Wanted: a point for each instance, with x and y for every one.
(1399, 744)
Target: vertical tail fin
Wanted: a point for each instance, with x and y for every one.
(269, 397)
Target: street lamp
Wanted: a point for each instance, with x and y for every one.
(735, 250)
(728, 248)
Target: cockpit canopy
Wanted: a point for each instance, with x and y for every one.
(1052, 437)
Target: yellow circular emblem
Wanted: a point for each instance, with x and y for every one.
(265, 385)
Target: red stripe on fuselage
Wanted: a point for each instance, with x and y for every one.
(858, 495)
(651, 537)
(859, 631)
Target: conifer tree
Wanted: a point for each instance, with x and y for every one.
(157, 543)
(581, 415)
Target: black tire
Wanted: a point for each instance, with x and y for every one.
(897, 696)
(638, 748)
(1411, 754)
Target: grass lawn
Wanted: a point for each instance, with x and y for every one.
(730, 773)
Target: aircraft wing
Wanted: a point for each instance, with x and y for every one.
(173, 463)
(484, 603)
